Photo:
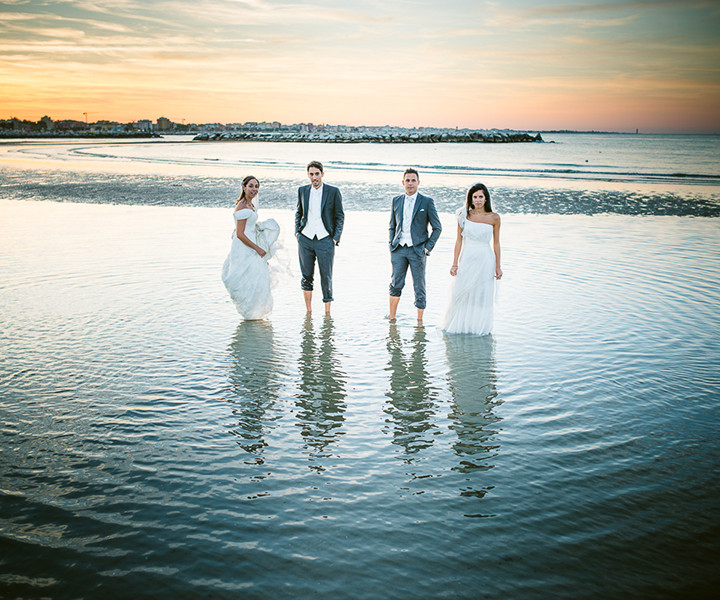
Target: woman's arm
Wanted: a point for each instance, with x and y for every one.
(496, 247)
(456, 253)
(240, 232)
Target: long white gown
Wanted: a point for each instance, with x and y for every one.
(472, 293)
(245, 273)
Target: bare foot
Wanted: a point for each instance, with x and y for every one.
(393, 306)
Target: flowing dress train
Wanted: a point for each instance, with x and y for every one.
(245, 273)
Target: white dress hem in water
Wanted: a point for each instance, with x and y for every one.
(472, 292)
(245, 273)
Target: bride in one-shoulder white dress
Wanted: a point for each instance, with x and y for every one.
(245, 272)
(475, 267)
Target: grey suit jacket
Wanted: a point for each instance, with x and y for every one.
(331, 210)
(424, 215)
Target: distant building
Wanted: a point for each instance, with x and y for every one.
(48, 122)
(143, 125)
(164, 124)
(69, 124)
(106, 126)
(10, 124)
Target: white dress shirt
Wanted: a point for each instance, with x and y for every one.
(408, 209)
(314, 226)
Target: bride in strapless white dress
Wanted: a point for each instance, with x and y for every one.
(245, 272)
(475, 267)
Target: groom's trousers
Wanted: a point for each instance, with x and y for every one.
(401, 258)
(310, 250)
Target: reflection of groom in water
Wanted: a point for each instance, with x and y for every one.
(322, 391)
(411, 397)
(319, 222)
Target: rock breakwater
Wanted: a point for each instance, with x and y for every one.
(382, 136)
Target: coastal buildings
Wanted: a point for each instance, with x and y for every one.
(164, 124)
(143, 125)
(273, 131)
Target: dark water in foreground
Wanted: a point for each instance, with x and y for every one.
(152, 446)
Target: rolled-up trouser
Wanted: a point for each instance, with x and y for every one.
(401, 258)
(324, 251)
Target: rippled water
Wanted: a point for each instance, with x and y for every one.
(154, 446)
(572, 174)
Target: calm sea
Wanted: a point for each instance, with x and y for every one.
(570, 174)
(153, 445)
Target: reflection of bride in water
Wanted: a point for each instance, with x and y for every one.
(472, 381)
(322, 389)
(411, 399)
(254, 382)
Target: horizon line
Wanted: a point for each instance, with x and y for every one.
(551, 130)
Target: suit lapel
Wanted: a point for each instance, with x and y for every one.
(306, 199)
(324, 198)
(418, 200)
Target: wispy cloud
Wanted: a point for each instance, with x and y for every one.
(465, 62)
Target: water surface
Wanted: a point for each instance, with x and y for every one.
(154, 445)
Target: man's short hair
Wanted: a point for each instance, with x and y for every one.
(411, 170)
(315, 163)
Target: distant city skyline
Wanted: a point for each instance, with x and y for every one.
(165, 124)
(527, 65)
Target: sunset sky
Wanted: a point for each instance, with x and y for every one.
(529, 65)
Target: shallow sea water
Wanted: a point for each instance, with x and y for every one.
(153, 445)
(651, 175)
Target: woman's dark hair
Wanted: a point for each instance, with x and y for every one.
(469, 203)
(245, 181)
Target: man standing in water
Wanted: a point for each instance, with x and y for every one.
(410, 244)
(319, 220)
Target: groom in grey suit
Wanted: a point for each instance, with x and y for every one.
(319, 220)
(410, 244)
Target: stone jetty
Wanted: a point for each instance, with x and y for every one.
(380, 135)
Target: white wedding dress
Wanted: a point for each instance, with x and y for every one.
(472, 293)
(245, 273)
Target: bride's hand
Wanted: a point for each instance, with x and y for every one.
(261, 252)
(498, 273)
(453, 270)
